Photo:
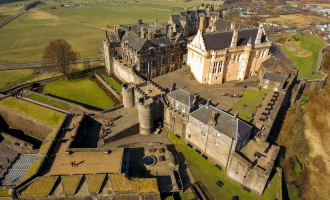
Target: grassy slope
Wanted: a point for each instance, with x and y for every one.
(40, 187)
(4, 193)
(94, 183)
(306, 64)
(81, 91)
(33, 168)
(113, 83)
(24, 39)
(35, 111)
(205, 171)
(48, 101)
(25, 137)
(251, 98)
(70, 183)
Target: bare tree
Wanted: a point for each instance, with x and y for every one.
(59, 53)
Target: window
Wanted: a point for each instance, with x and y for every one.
(267, 81)
(200, 60)
(217, 143)
(220, 66)
(235, 58)
(203, 134)
(189, 136)
(218, 134)
(278, 83)
(177, 105)
(191, 127)
(202, 125)
(183, 109)
(238, 58)
(229, 76)
(192, 55)
(261, 54)
(172, 58)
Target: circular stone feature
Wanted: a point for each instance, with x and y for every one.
(149, 161)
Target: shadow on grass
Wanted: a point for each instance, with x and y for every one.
(22, 136)
(76, 102)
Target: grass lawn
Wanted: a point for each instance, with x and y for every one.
(40, 187)
(251, 98)
(44, 148)
(33, 110)
(187, 196)
(7, 12)
(95, 182)
(121, 183)
(48, 101)
(308, 64)
(82, 91)
(317, 75)
(112, 82)
(25, 137)
(70, 183)
(33, 168)
(4, 193)
(205, 171)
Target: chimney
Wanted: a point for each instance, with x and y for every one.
(202, 24)
(149, 34)
(170, 33)
(249, 43)
(214, 27)
(235, 115)
(212, 121)
(234, 39)
(196, 99)
(195, 9)
(208, 102)
(156, 22)
(140, 21)
(129, 27)
(232, 26)
(173, 87)
(186, 10)
(106, 33)
(143, 32)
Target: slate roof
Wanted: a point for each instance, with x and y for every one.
(136, 28)
(222, 40)
(137, 43)
(225, 25)
(161, 41)
(225, 122)
(274, 77)
(182, 96)
(270, 62)
(190, 15)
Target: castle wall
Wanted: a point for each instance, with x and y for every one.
(174, 121)
(122, 72)
(26, 123)
(146, 119)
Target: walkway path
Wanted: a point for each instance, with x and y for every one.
(40, 63)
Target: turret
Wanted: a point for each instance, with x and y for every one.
(146, 121)
(234, 39)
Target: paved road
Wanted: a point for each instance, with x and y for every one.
(36, 64)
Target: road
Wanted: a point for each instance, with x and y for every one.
(40, 63)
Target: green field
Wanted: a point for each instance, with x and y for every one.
(112, 82)
(308, 64)
(11, 78)
(48, 101)
(205, 171)
(33, 110)
(24, 39)
(251, 98)
(82, 91)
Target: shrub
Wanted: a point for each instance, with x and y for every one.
(303, 100)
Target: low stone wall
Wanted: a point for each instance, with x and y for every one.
(108, 87)
(318, 84)
(124, 133)
(16, 140)
(27, 124)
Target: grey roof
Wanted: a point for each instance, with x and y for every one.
(137, 43)
(182, 96)
(225, 25)
(136, 28)
(161, 41)
(270, 62)
(189, 16)
(274, 77)
(113, 38)
(225, 122)
(222, 40)
(18, 170)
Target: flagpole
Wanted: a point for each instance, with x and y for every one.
(148, 77)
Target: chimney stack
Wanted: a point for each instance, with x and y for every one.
(202, 24)
(195, 9)
(140, 21)
(232, 26)
(143, 32)
(234, 39)
(173, 87)
(212, 121)
(186, 10)
(196, 99)
(208, 102)
(236, 115)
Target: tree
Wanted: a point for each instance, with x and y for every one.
(233, 15)
(59, 53)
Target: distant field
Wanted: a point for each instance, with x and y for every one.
(8, 12)
(297, 20)
(24, 39)
(308, 64)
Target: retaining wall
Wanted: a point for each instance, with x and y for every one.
(108, 87)
(27, 124)
(124, 133)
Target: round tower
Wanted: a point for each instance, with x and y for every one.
(128, 95)
(146, 119)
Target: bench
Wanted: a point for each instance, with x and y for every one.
(219, 183)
